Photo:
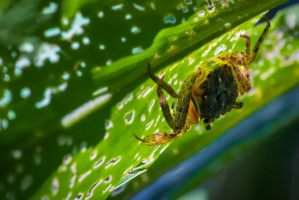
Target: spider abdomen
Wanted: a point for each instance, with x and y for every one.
(217, 93)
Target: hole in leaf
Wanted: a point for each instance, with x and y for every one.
(108, 179)
(99, 163)
(129, 117)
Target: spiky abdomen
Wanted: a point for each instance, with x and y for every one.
(217, 94)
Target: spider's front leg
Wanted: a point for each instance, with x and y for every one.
(180, 111)
(162, 99)
(161, 137)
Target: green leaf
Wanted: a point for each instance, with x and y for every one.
(274, 73)
(175, 43)
(59, 118)
(95, 172)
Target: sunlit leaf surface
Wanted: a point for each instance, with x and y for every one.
(275, 72)
(61, 138)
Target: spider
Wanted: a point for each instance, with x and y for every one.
(206, 93)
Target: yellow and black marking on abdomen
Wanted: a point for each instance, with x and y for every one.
(218, 93)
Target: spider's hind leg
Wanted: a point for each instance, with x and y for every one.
(161, 137)
(261, 39)
(247, 47)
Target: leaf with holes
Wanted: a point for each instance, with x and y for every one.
(50, 112)
(274, 73)
(45, 69)
(95, 172)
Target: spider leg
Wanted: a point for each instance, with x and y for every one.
(161, 137)
(238, 105)
(162, 83)
(247, 47)
(180, 112)
(165, 109)
(261, 39)
(158, 138)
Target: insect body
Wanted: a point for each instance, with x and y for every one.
(209, 91)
